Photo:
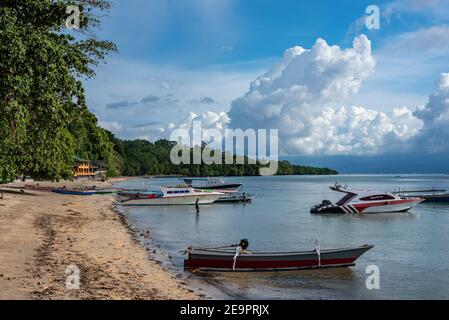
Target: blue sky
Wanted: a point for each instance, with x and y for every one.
(178, 57)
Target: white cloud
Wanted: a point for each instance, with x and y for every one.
(173, 88)
(432, 41)
(299, 96)
(435, 115)
(208, 119)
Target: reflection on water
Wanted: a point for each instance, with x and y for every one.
(410, 248)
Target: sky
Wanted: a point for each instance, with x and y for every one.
(333, 88)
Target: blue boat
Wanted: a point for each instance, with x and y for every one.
(75, 192)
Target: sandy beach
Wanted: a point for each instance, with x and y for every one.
(44, 233)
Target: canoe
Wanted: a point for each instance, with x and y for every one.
(74, 192)
(223, 260)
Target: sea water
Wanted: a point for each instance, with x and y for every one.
(411, 249)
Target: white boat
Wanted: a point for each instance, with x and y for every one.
(170, 196)
(210, 183)
(364, 201)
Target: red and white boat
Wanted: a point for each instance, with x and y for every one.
(238, 258)
(364, 201)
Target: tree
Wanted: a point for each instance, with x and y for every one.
(43, 112)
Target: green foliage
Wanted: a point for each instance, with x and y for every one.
(286, 168)
(141, 157)
(44, 119)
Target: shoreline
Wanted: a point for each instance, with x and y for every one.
(44, 234)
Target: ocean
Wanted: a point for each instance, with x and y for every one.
(411, 249)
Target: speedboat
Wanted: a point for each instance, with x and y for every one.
(169, 196)
(238, 258)
(210, 183)
(363, 201)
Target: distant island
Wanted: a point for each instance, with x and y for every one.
(141, 157)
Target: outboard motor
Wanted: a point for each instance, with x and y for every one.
(244, 243)
(316, 209)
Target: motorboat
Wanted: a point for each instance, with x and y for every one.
(210, 183)
(233, 196)
(169, 196)
(239, 258)
(364, 201)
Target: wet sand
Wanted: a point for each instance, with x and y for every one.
(43, 233)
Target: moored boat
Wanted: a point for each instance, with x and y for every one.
(233, 196)
(74, 192)
(363, 201)
(239, 259)
(210, 183)
(432, 195)
(169, 196)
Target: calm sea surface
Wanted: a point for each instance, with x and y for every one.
(411, 249)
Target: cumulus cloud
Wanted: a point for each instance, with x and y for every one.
(208, 119)
(299, 96)
(435, 115)
(355, 130)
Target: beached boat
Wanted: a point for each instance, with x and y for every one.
(362, 201)
(210, 183)
(239, 259)
(169, 196)
(74, 192)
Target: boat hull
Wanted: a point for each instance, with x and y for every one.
(164, 201)
(74, 192)
(233, 200)
(223, 261)
(222, 186)
(373, 207)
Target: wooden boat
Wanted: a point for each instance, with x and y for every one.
(38, 188)
(74, 192)
(230, 260)
(106, 191)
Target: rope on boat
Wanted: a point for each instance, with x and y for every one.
(208, 248)
(238, 250)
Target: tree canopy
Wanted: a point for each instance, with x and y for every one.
(44, 117)
(44, 120)
(141, 157)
